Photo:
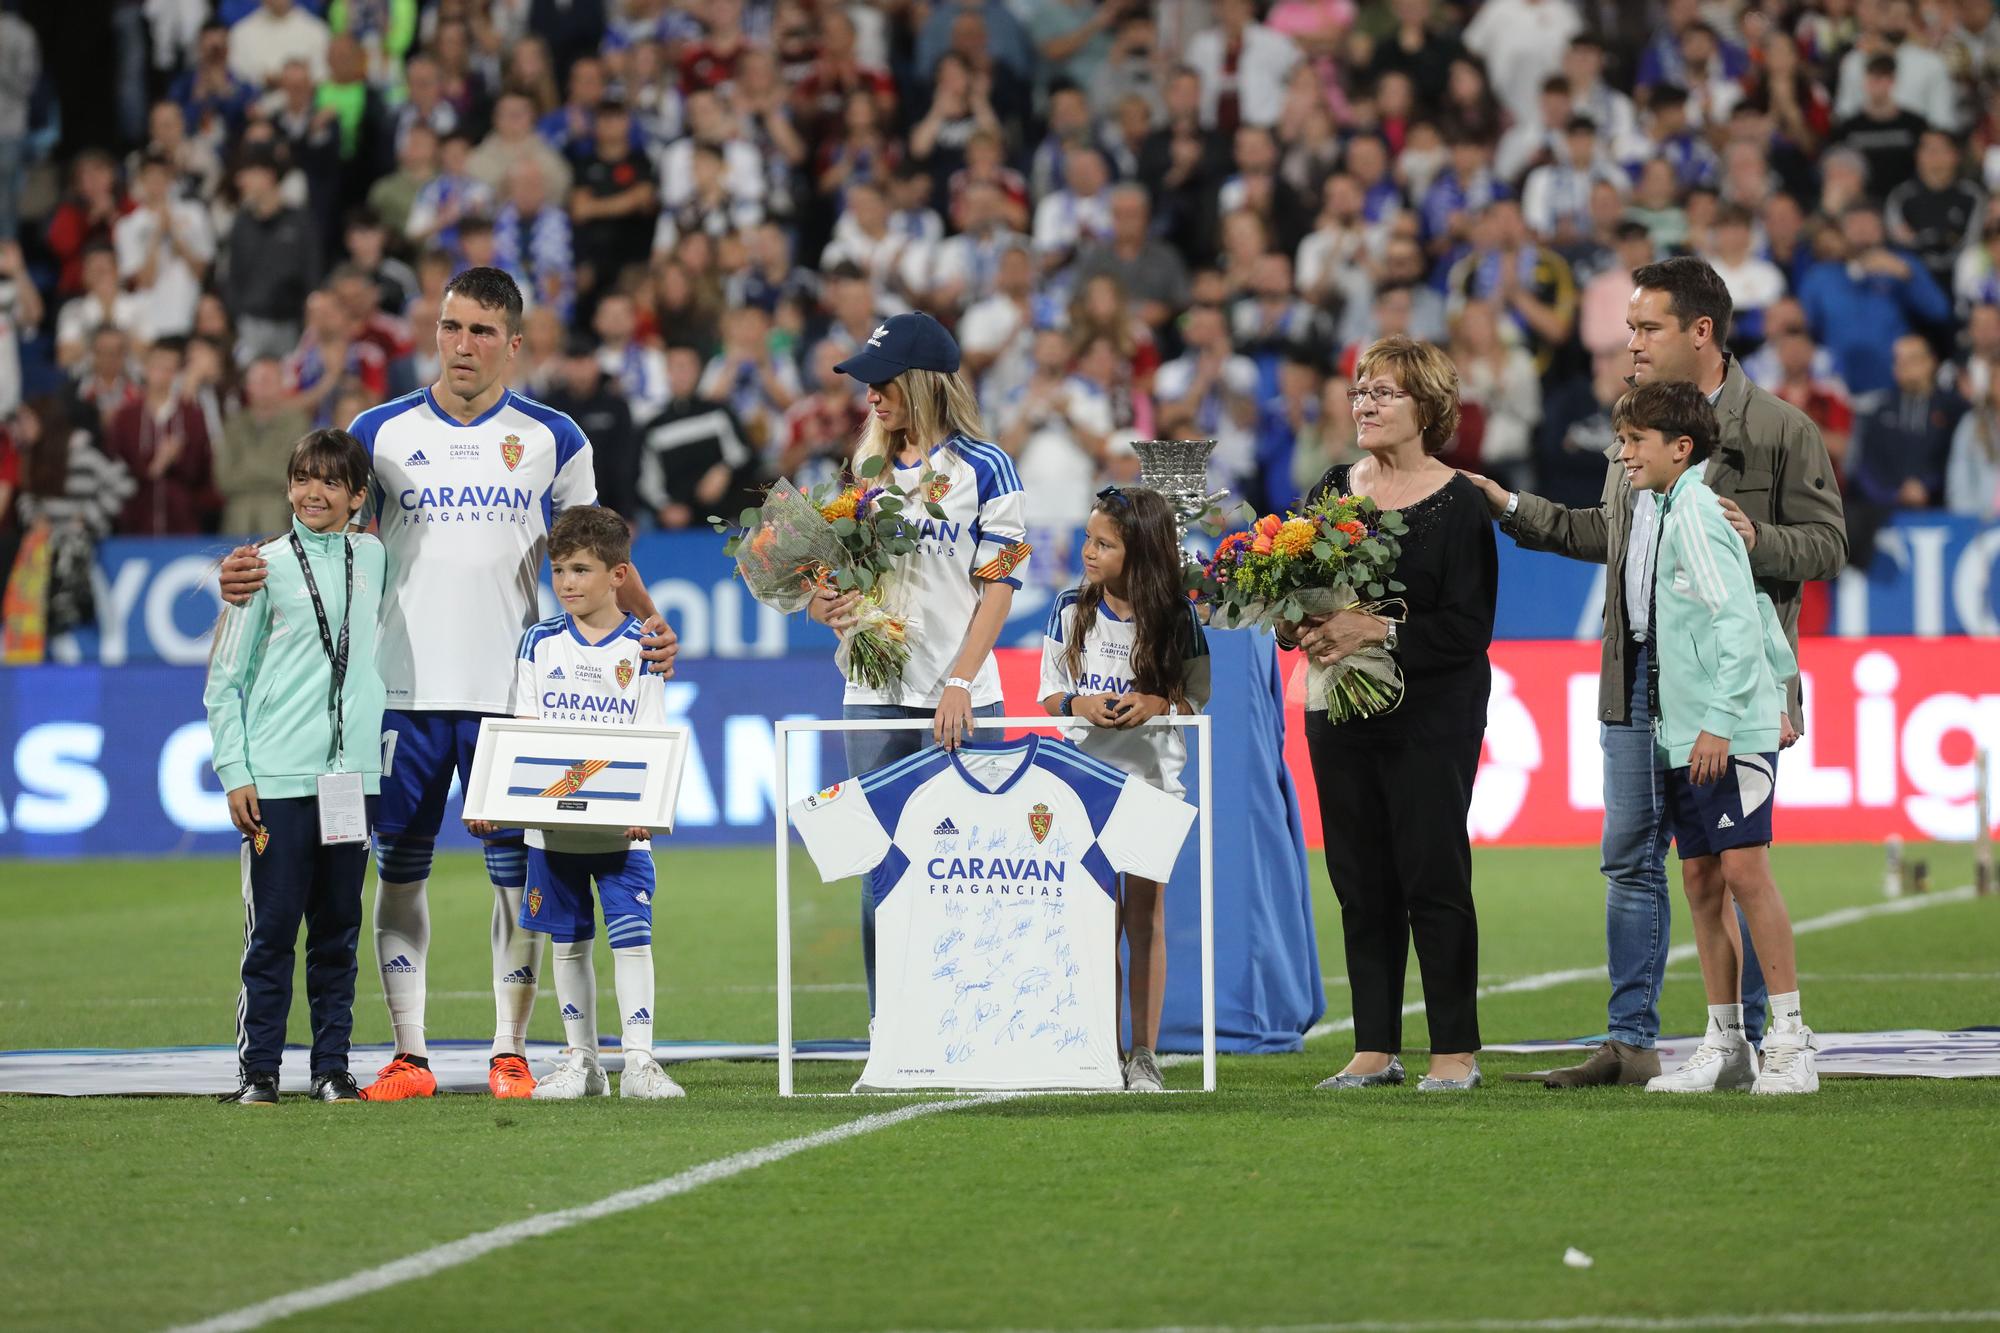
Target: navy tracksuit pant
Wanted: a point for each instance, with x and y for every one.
(294, 879)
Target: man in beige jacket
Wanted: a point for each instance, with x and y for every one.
(1777, 485)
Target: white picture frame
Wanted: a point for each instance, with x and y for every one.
(597, 777)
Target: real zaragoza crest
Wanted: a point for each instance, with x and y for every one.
(624, 672)
(575, 776)
(1039, 820)
(510, 452)
(939, 487)
(261, 841)
(534, 902)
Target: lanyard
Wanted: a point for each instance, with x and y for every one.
(337, 657)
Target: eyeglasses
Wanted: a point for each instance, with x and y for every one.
(1383, 397)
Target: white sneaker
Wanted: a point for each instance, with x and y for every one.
(1142, 1072)
(577, 1077)
(1788, 1063)
(644, 1078)
(1718, 1065)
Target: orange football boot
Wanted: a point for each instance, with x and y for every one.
(398, 1080)
(509, 1076)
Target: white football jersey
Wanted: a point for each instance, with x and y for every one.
(569, 674)
(465, 513)
(1156, 754)
(982, 538)
(996, 938)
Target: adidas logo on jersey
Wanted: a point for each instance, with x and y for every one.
(946, 829)
(643, 1016)
(400, 963)
(520, 976)
(417, 459)
(1725, 822)
(643, 898)
(571, 1011)
(555, 673)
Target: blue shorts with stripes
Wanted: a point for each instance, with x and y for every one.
(557, 901)
(421, 753)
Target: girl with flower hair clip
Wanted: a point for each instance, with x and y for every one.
(1122, 648)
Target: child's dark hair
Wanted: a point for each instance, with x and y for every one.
(594, 530)
(1674, 409)
(1151, 582)
(332, 456)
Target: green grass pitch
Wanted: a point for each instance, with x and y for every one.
(1264, 1205)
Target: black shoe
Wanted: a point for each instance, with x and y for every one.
(257, 1090)
(337, 1086)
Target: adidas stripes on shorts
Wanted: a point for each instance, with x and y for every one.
(557, 901)
(1732, 811)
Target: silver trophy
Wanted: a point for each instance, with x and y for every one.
(1178, 470)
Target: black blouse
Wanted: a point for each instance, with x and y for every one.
(1450, 569)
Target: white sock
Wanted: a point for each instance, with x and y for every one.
(632, 973)
(516, 953)
(402, 941)
(576, 991)
(1726, 1020)
(1785, 1012)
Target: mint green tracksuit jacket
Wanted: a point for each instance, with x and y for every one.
(270, 684)
(1723, 659)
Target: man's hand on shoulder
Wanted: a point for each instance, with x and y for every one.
(658, 645)
(243, 573)
(1496, 495)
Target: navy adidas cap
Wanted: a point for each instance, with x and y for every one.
(902, 342)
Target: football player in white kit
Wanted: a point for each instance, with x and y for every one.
(468, 477)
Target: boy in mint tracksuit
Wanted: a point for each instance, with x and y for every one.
(295, 713)
(1720, 665)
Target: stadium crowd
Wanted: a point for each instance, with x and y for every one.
(1140, 219)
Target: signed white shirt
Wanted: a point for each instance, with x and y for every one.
(995, 928)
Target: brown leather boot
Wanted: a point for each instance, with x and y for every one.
(1612, 1063)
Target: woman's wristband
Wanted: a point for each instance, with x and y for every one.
(1068, 700)
(960, 682)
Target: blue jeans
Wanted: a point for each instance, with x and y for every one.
(870, 750)
(1637, 913)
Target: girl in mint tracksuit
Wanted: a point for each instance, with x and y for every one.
(1721, 665)
(279, 726)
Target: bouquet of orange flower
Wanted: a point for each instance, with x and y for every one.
(837, 538)
(1339, 554)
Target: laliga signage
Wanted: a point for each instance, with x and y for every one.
(1892, 729)
(103, 762)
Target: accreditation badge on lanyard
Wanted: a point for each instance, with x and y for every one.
(343, 804)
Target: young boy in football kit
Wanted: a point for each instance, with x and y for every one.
(583, 666)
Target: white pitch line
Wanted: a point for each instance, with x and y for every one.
(452, 1254)
(1582, 1323)
(1843, 978)
(1680, 953)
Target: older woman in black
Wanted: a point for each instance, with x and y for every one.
(1394, 789)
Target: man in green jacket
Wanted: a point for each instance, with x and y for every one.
(1776, 485)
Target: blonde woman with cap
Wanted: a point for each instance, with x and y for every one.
(958, 584)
